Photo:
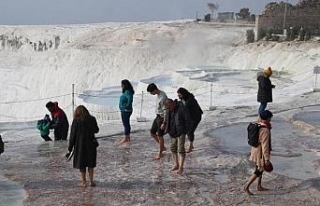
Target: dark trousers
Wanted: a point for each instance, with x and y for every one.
(263, 106)
(192, 129)
(60, 134)
(125, 116)
(46, 137)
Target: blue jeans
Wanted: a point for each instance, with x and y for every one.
(263, 106)
(125, 116)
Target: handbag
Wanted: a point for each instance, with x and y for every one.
(95, 142)
(268, 167)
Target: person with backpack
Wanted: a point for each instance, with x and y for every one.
(265, 88)
(177, 119)
(43, 125)
(260, 154)
(195, 112)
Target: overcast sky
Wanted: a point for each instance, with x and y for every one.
(95, 11)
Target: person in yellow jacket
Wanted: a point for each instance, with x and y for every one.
(261, 155)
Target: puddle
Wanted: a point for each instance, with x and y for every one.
(11, 193)
(311, 117)
(290, 157)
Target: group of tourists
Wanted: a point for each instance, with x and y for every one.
(178, 118)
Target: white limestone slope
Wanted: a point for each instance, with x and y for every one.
(96, 57)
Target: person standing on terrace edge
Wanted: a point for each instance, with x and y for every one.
(195, 112)
(125, 106)
(158, 125)
(265, 88)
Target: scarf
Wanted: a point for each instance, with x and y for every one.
(267, 125)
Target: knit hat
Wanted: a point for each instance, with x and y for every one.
(267, 71)
(47, 117)
(266, 114)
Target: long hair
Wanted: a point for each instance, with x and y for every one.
(127, 86)
(81, 112)
(185, 93)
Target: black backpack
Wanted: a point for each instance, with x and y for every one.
(1, 145)
(253, 134)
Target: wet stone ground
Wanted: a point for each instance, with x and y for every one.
(214, 173)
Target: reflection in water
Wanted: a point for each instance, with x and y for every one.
(10, 193)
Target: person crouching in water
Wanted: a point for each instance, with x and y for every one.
(176, 122)
(261, 155)
(43, 126)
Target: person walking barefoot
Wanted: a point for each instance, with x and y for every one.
(83, 129)
(125, 106)
(195, 112)
(177, 119)
(158, 125)
(260, 155)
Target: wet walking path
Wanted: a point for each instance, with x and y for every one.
(214, 173)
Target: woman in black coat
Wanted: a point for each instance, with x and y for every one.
(82, 140)
(195, 113)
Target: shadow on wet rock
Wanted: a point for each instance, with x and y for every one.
(52, 184)
(311, 117)
(311, 183)
(127, 185)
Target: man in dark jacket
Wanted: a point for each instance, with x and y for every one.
(177, 126)
(195, 112)
(265, 89)
(59, 121)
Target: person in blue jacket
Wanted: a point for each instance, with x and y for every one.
(43, 126)
(125, 106)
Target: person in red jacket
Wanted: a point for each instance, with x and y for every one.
(59, 121)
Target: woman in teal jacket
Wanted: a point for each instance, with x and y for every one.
(125, 106)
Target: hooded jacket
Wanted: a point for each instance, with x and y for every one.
(59, 119)
(194, 108)
(177, 120)
(43, 127)
(265, 88)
